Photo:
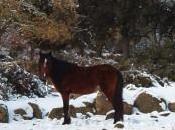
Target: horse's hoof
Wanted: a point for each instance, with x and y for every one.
(119, 124)
(68, 121)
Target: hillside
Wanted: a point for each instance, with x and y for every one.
(135, 37)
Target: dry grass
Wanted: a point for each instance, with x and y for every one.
(33, 23)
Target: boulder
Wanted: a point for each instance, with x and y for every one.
(138, 79)
(146, 103)
(22, 113)
(102, 104)
(74, 96)
(56, 113)
(171, 106)
(83, 110)
(110, 115)
(4, 115)
(128, 108)
(119, 125)
(37, 113)
(15, 80)
(165, 113)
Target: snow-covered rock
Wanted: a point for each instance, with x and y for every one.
(171, 106)
(37, 113)
(102, 104)
(146, 103)
(73, 111)
(4, 115)
(23, 114)
(142, 79)
(14, 80)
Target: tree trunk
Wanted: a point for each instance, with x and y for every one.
(100, 46)
(124, 42)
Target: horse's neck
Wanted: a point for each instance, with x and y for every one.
(58, 69)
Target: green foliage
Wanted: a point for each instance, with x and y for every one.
(157, 59)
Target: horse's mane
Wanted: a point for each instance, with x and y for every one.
(60, 67)
(62, 62)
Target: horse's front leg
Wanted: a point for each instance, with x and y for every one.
(67, 119)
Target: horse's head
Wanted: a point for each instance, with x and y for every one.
(45, 60)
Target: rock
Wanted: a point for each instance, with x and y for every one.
(56, 113)
(119, 124)
(146, 103)
(74, 96)
(36, 110)
(128, 108)
(102, 104)
(4, 115)
(83, 110)
(165, 113)
(144, 81)
(171, 106)
(138, 79)
(15, 80)
(22, 113)
(110, 115)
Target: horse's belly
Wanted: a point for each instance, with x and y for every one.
(82, 83)
(83, 89)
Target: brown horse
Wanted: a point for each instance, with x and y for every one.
(71, 78)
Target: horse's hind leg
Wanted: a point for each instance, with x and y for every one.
(115, 97)
(118, 107)
(67, 119)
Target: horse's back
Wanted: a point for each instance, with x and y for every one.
(86, 79)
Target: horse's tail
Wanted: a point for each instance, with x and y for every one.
(118, 97)
(120, 83)
(119, 86)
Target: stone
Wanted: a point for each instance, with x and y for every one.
(83, 110)
(56, 113)
(4, 115)
(37, 113)
(110, 115)
(146, 103)
(74, 96)
(22, 113)
(102, 104)
(171, 106)
(136, 78)
(165, 113)
(119, 125)
(128, 108)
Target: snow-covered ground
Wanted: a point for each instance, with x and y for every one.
(136, 121)
(133, 122)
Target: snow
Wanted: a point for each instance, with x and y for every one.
(98, 122)
(136, 121)
(167, 93)
(85, 98)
